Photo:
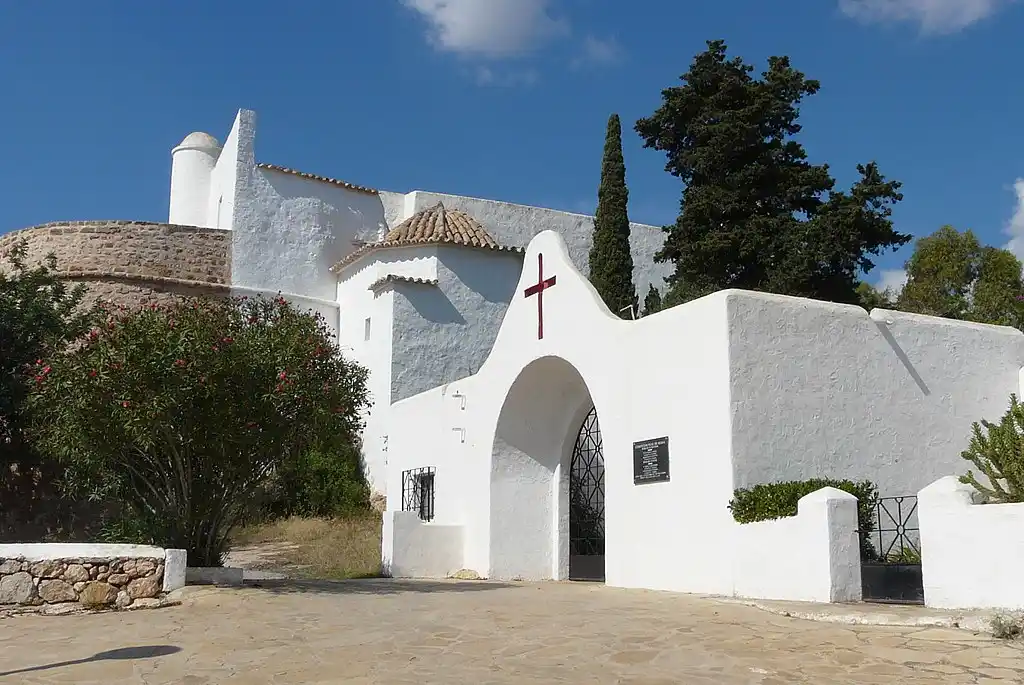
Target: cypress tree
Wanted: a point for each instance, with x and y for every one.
(611, 263)
(652, 303)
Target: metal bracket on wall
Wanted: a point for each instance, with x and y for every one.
(462, 432)
(462, 397)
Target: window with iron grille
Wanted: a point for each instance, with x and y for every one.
(418, 492)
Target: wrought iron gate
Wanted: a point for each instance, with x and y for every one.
(891, 554)
(586, 503)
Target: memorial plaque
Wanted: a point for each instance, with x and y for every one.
(650, 461)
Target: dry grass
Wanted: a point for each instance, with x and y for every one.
(335, 549)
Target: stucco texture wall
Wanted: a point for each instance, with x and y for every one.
(516, 225)
(445, 332)
(825, 390)
(130, 262)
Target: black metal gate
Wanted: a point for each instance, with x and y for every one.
(891, 554)
(586, 503)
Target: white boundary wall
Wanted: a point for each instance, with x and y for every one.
(811, 557)
(971, 554)
(414, 549)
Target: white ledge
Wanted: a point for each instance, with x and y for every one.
(46, 551)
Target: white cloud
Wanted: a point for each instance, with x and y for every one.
(597, 51)
(1015, 227)
(934, 16)
(892, 280)
(488, 28)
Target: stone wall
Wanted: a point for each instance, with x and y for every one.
(133, 262)
(92, 582)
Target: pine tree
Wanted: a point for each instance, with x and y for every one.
(652, 303)
(611, 263)
(755, 213)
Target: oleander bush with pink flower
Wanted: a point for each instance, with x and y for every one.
(183, 413)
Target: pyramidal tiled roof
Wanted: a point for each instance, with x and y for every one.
(435, 225)
(439, 225)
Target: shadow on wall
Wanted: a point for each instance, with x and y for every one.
(493, 280)
(125, 653)
(883, 328)
(433, 305)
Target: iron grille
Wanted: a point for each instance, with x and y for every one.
(586, 491)
(418, 492)
(897, 538)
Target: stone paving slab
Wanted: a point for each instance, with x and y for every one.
(869, 614)
(395, 632)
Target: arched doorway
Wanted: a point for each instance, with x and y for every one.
(531, 458)
(586, 502)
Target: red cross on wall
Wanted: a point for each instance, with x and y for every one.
(538, 290)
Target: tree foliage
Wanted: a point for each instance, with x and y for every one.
(39, 315)
(997, 451)
(183, 412)
(755, 213)
(652, 302)
(611, 262)
(951, 274)
(871, 297)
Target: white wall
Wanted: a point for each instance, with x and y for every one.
(289, 230)
(811, 557)
(420, 550)
(223, 180)
(515, 225)
(445, 332)
(328, 310)
(825, 390)
(358, 303)
(639, 393)
(971, 554)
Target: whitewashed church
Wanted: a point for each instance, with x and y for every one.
(415, 284)
(523, 431)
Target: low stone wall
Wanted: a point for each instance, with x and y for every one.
(91, 582)
(89, 576)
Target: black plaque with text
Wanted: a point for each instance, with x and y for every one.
(650, 461)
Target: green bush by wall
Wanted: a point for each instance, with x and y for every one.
(778, 500)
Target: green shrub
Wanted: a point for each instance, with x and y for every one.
(998, 453)
(181, 413)
(323, 482)
(778, 500)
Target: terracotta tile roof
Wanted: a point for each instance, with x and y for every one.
(393, 278)
(432, 226)
(441, 225)
(314, 177)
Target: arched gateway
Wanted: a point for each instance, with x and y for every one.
(547, 478)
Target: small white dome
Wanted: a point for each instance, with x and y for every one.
(200, 140)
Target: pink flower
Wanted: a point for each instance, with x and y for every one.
(227, 340)
(125, 404)
(92, 374)
(282, 375)
(179, 362)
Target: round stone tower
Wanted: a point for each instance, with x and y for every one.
(192, 163)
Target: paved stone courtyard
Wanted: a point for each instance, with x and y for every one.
(475, 633)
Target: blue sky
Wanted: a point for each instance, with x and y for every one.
(503, 99)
